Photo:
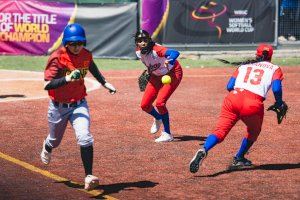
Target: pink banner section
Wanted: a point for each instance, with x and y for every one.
(31, 27)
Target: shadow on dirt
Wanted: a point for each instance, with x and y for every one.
(117, 187)
(183, 138)
(12, 95)
(113, 188)
(283, 166)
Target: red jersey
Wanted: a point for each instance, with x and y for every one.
(60, 63)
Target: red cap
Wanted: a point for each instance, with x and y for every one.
(264, 47)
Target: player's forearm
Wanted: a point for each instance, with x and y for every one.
(231, 83)
(96, 73)
(277, 91)
(55, 83)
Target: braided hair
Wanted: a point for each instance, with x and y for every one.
(265, 56)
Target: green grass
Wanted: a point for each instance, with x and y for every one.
(37, 63)
(292, 61)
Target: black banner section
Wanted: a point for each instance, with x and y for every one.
(220, 22)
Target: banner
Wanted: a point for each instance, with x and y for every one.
(31, 27)
(220, 22)
(153, 24)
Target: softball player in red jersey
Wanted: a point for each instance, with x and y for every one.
(64, 80)
(159, 61)
(248, 88)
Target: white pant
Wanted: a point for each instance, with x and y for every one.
(79, 118)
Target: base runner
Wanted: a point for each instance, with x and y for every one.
(64, 80)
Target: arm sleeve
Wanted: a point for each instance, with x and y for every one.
(96, 73)
(172, 55)
(56, 83)
(277, 90)
(276, 85)
(231, 83)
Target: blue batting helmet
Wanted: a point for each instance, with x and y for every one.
(73, 33)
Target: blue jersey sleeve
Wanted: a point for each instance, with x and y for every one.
(277, 91)
(231, 83)
(172, 55)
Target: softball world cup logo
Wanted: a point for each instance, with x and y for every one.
(209, 11)
(201, 22)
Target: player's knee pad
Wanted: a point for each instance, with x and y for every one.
(85, 140)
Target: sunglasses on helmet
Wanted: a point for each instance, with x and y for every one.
(76, 44)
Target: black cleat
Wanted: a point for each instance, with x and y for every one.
(197, 160)
(240, 163)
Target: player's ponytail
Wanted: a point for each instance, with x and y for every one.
(239, 63)
(264, 52)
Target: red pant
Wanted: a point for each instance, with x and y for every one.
(157, 90)
(244, 105)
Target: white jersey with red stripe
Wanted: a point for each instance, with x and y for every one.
(155, 60)
(257, 77)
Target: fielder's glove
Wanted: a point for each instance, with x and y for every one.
(110, 88)
(143, 80)
(74, 75)
(279, 110)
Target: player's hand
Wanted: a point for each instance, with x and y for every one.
(166, 64)
(74, 75)
(110, 88)
(280, 108)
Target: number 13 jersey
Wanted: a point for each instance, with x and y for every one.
(257, 77)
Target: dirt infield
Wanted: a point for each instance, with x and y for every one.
(128, 161)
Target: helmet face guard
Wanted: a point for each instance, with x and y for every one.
(73, 33)
(143, 35)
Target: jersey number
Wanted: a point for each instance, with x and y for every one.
(258, 73)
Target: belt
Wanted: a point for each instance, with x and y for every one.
(68, 105)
